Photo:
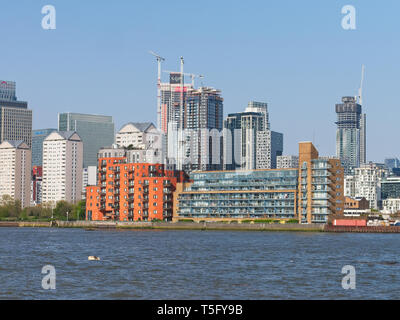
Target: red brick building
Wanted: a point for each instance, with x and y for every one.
(37, 175)
(132, 191)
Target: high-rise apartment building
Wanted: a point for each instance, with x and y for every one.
(96, 131)
(367, 182)
(38, 137)
(203, 130)
(15, 171)
(145, 143)
(62, 167)
(349, 186)
(15, 117)
(173, 96)
(199, 144)
(350, 134)
(248, 142)
(284, 162)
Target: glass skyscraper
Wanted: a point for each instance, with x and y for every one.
(38, 137)
(96, 131)
(15, 117)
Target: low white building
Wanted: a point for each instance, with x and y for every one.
(15, 171)
(391, 206)
(62, 167)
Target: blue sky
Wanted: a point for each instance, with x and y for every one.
(292, 54)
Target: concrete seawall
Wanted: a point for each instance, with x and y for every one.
(168, 226)
(95, 225)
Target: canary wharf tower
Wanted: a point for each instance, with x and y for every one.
(350, 134)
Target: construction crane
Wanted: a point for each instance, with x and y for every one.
(360, 101)
(191, 75)
(159, 61)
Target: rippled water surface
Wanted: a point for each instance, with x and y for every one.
(196, 264)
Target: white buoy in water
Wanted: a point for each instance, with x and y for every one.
(93, 258)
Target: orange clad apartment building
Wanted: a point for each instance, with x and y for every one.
(131, 191)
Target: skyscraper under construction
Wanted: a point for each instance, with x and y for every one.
(199, 112)
(350, 134)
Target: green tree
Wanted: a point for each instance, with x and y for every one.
(63, 210)
(79, 211)
(10, 207)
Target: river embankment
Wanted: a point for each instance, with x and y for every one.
(166, 225)
(203, 226)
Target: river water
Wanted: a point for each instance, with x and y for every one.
(196, 264)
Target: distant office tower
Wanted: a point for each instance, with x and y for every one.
(146, 143)
(62, 167)
(392, 163)
(248, 142)
(350, 134)
(285, 162)
(38, 137)
(96, 131)
(390, 194)
(276, 147)
(36, 189)
(15, 118)
(15, 171)
(390, 188)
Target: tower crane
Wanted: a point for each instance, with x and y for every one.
(191, 75)
(360, 101)
(159, 61)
